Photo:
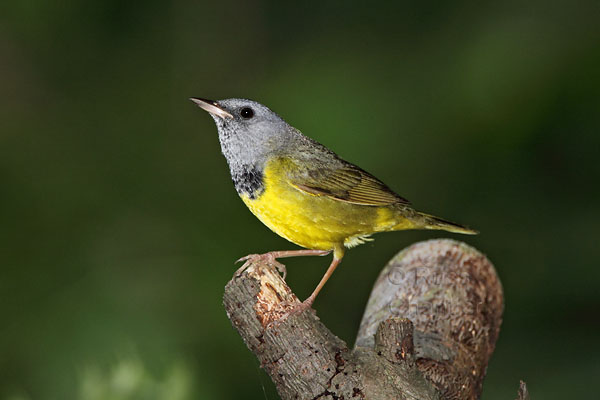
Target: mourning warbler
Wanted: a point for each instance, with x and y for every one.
(305, 192)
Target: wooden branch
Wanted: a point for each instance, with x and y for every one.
(523, 393)
(428, 331)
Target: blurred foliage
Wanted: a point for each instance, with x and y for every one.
(120, 224)
(130, 380)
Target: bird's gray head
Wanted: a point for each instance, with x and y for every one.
(248, 131)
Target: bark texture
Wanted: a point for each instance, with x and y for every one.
(428, 330)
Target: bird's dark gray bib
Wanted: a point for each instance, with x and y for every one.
(248, 181)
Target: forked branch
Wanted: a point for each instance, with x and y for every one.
(428, 331)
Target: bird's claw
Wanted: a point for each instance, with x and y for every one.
(293, 308)
(267, 258)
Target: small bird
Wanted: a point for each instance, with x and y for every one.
(305, 192)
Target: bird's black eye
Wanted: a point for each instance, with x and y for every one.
(246, 113)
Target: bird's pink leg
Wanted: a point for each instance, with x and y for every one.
(272, 256)
(306, 304)
(334, 263)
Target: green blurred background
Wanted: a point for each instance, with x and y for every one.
(120, 224)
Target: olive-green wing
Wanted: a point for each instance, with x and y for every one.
(347, 183)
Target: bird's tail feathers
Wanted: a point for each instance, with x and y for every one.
(431, 222)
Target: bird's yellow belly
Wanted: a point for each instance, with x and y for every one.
(311, 221)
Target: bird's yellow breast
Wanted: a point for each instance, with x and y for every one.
(313, 221)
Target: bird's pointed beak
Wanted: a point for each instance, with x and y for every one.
(212, 107)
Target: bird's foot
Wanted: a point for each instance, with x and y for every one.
(292, 309)
(297, 308)
(267, 258)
